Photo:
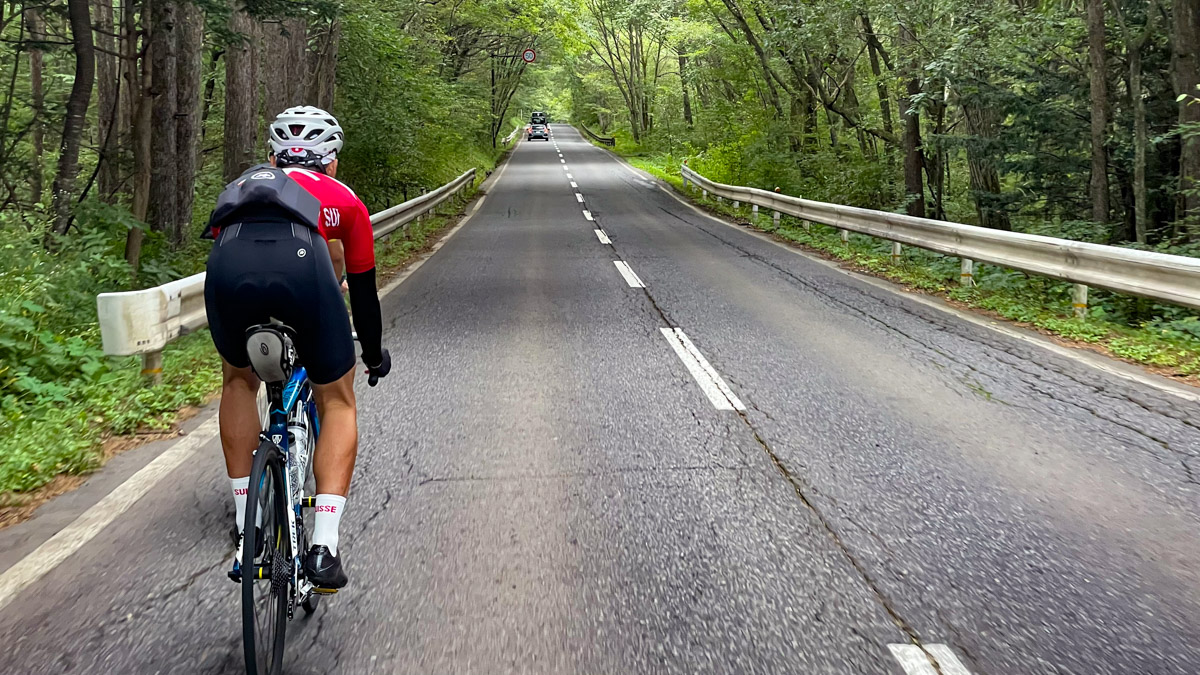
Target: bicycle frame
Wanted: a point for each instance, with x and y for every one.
(294, 395)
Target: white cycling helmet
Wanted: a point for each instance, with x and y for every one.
(305, 135)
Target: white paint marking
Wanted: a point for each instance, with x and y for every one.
(915, 660)
(72, 537)
(627, 272)
(603, 237)
(570, 177)
(587, 215)
(573, 185)
(562, 160)
(578, 197)
(565, 168)
(719, 393)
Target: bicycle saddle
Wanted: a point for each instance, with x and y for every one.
(272, 351)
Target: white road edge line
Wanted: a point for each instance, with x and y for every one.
(603, 237)
(71, 538)
(628, 274)
(42, 560)
(915, 660)
(578, 197)
(587, 215)
(719, 393)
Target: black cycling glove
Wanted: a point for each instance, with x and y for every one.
(376, 373)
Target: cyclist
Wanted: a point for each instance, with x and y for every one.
(267, 263)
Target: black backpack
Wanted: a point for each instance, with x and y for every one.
(263, 194)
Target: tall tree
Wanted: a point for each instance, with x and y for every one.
(190, 43)
(164, 90)
(84, 50)
(1098, 85)
(241, 97)
(1186, 64)
(37, 102)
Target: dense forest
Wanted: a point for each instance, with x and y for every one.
(1076, 119)
(120, 120)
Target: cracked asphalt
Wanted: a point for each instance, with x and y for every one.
(542, 486)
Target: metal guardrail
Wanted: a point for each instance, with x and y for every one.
(610, 142)
(1158, 276)
(143, 322)
(508, 139)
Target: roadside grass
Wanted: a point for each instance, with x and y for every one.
(61, 429)
(1164, 338)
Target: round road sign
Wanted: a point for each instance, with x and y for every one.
(528, 55)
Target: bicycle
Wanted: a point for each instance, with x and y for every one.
(275, 502)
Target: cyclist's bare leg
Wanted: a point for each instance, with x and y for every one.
(337, 446)
(238, 414)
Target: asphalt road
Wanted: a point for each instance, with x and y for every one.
(545, 485)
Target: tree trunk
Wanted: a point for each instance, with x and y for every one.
(683, 85)
(210, 87)
(143, 120)
(1097, 79)
(914, 158)
(164, 181)
(37, 99)
(1186, 63)
(272, 72)
(881, 88)
(985, 179)
(77, 106)
(297, 62)
(241, 99)
(325, 72)
(108, 87)
(190, 42)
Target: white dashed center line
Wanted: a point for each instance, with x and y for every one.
(718, 393)
(562, 160)
(573, 185)
(915, 661)
(587, 215)
(578, 197)
(566, 169)
(570, 177)
(627, 272)
(603, 237)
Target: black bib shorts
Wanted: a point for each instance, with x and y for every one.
(258, 272)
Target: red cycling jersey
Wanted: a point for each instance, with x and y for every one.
(343, 217)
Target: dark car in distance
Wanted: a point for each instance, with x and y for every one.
(538, 118)
(538, 131)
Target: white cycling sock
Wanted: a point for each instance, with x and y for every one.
(240, 487)
(329, 512)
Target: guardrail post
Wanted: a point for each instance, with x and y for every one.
(152, 367)
(845, 236)
(1079, 300)
(896, 249)
(966, 277)
(736, 205)
(719, 200)
(685, 180)
(775, 218)
(754, 212)
(705, 192)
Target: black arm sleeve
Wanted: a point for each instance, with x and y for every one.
(364, 302)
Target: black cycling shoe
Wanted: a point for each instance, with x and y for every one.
(323, 569)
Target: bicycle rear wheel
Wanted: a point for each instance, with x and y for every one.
(266, 564)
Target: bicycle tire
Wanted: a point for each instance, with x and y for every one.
(264, 648)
